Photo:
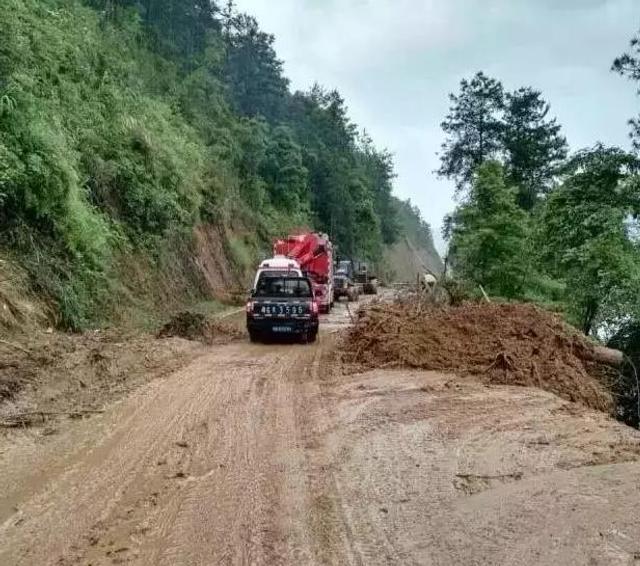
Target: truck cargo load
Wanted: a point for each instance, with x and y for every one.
(314, 254)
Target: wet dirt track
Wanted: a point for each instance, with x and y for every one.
(259, 454)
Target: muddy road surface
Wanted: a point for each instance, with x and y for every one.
(264, 454)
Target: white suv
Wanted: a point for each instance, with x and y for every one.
(277, 266)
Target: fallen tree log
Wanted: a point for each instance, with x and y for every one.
(607, 356)
(27, 419)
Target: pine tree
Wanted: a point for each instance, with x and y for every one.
(534, 148)
(473, 129)
(253, 71)
(628, 65)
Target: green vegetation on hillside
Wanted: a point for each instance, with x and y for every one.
(126, 123)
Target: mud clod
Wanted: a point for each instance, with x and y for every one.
(197, 327)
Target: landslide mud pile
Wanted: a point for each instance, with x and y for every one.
(503, 343)
(196, 326)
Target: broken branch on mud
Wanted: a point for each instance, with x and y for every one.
(27, 418)
(514, 475)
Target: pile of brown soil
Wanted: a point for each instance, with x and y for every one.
(196, 326)
(512, 344)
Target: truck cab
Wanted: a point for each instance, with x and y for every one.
(343, 286)
(360, 273)
(283, 306)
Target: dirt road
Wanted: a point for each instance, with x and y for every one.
(262, 455)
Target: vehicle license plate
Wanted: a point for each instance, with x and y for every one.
(283, 329)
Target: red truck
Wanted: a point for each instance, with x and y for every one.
(314, 253)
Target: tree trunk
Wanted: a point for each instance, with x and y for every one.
(589, 317)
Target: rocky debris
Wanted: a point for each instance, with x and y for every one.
(513, 344)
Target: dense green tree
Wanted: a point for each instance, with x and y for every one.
(284, 172)
(252, 69)
(349, 179)
(628, 65)
(473, 128)
(179, 29)
(533, 145)
(489, 235)
(485, 122)
(585, 238)
(378, 168)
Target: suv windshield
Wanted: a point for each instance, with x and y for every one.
(283, 287)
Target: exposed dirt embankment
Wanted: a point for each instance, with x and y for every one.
(51, 376)
(19, 308)
(503, 343)
(188, 271)
(139, 288)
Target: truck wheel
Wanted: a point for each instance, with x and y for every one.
(313, 336)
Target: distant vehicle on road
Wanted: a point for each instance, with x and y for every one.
(344, 286)
(283, 306)
(361, 275)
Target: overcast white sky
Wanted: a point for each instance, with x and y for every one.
(395, 61)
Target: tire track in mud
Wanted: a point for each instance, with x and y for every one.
(218, 464)
(235, 513)
(138, 461)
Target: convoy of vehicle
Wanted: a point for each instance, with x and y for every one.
(298, 283)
